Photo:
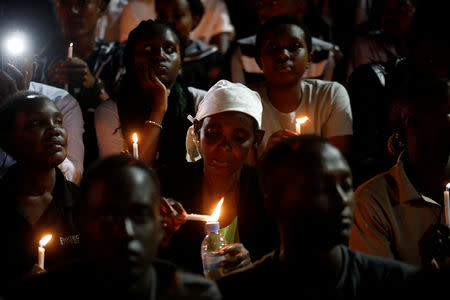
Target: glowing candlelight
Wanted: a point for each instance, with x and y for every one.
(41, 249)
(70, 51)
(205, 218)
(135, 146)
(298, 123)
(447, 204)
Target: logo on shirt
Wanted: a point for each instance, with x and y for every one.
(69, 240)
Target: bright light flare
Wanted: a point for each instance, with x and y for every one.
(16, 44)
(135, 138)
(301, 120)
(215, 215)
(447, 187)
(45, 240)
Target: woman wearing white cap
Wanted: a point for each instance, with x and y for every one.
(225, 130)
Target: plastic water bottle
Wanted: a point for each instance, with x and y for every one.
(212, 243)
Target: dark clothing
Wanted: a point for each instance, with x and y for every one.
(201, 65)
(362, 277)
(85, 280)
(20, 239)
(257, 231)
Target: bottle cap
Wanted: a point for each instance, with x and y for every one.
(212, 226)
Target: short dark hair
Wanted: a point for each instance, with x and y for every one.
(103, 169)
(281, 20)
(296, 152)
(417, 94)
(11, 105)
(141, 30)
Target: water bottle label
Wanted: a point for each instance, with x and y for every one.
(211, 261)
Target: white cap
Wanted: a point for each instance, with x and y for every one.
(221, 97)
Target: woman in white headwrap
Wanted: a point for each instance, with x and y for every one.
(225, 130)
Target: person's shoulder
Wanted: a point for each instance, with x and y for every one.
(377, 183)
(109, 105)
(321, 85)
(181, 283)
(53, 93)
(380, 267)
(197, 50)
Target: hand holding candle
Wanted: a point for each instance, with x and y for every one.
(135, 146)
(41, 249)
(298, 124)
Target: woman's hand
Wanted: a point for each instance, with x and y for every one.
(236, 257)
(173, 216)
(11, 81)
(278, 136)
(72, 71)
(154, 90)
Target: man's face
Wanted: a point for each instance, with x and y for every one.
(78, 17)
(39, 136)
(121, 223)
(316, 205)
(270, 8)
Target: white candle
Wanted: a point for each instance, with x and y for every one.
(447, 204)
(298, 124)
(135, 146)
(70, 51)
(41, 250)
(195, 217)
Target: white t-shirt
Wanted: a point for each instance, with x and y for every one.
(215, 20)
(107, 125)
(72, 166)
(325, 103)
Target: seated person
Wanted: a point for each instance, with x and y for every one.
(121, 230)
(17, 73)
(92, 74)
(244, 67)
(387, 42)
(226, 128)
(307, 187)
(152, 100)
(396, 208)
(201, 63)
(36, 198)
(283, 50)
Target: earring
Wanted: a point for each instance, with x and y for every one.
(395, 144)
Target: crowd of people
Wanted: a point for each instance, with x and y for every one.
(324, 126)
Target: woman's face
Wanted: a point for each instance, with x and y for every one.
(39, 136)
(225, 141)
(159, 50)
(284, 55)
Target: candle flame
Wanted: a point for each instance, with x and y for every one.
(215, 215)
(71, 45)
(135, 138)
(45, 240)
(301, 120)
(447, 187)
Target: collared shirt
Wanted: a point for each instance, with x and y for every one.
(20, 239)
(72, 166)
(391, 216)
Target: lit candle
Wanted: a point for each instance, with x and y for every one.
(135, 146)
(447, 204)
(70, 51)
(41, 249)
(298, 123)
(205, 218)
